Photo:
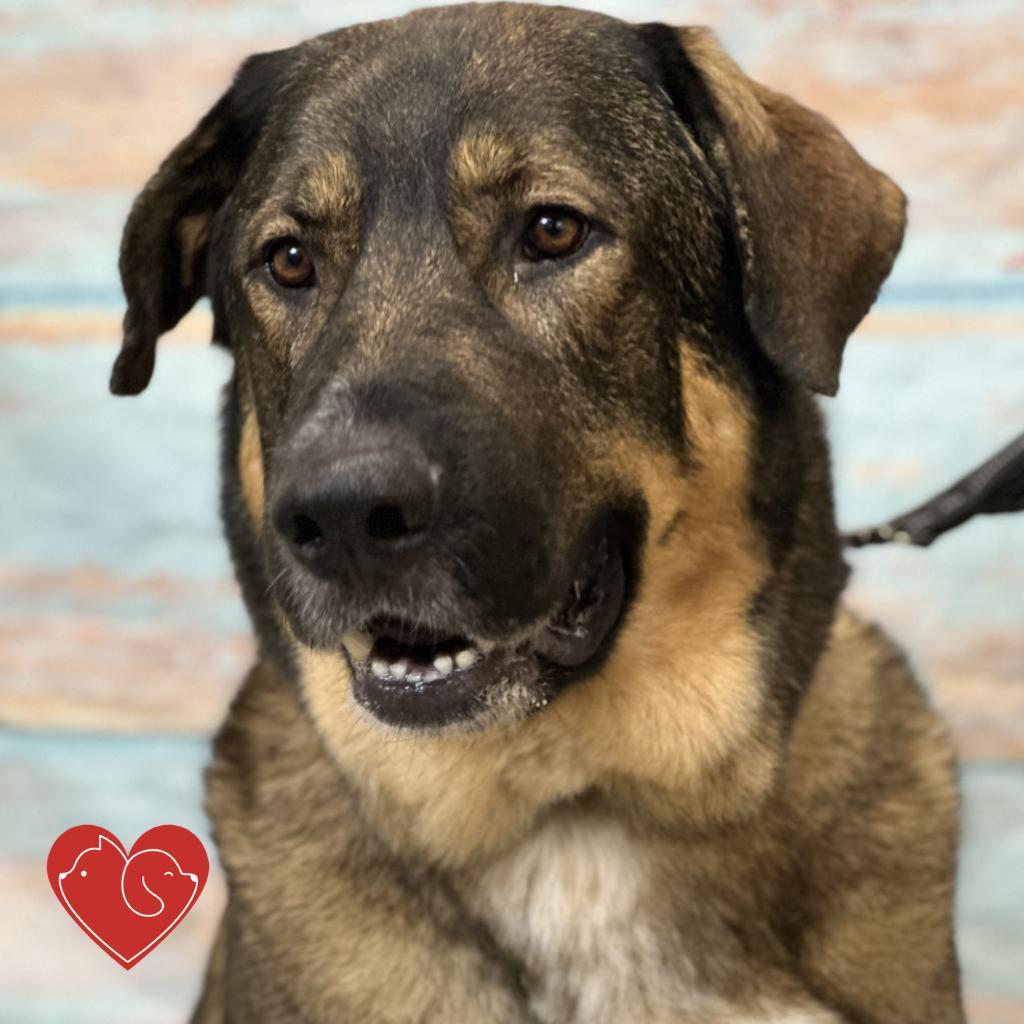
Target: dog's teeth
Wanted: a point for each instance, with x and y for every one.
(464, 658)
(358, 644)
(485, 646)
(398, 669)
(444, 664)
(379, 668)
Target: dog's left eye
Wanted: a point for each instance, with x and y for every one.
(554, 232)
(290, 265)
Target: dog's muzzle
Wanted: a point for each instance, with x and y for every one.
(369, 530)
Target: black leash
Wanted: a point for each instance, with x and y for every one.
(995, 486)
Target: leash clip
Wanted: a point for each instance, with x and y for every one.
(997, 485)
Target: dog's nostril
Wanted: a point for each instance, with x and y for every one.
(306, 533)
(386, 522)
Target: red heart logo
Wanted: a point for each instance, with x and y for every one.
(127, 903)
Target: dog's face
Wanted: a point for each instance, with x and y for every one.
(509, 289)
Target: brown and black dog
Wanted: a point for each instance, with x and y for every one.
(557, 718)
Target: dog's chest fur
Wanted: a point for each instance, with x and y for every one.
(577, 903)
(572, 902)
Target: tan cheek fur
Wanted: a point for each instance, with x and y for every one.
(681, 688)
(679, 694)
(250, 467)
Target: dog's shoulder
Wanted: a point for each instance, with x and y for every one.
(866, 724)
(867, 808)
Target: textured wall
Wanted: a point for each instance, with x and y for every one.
(121, 634)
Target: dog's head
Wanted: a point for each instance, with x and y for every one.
(527, 305)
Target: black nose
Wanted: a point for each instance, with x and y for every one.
(359, 510)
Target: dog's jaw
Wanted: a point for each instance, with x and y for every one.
(406, 676)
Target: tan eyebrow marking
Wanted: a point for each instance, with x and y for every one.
(490, 162)
(330, 190)
(485, 159)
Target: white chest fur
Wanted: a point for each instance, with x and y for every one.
(577, 904)
(570, 901)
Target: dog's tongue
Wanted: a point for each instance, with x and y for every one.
(575, 635)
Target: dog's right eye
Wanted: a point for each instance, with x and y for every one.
(553, 233)
(290, 265)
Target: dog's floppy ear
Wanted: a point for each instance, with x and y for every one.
(816, 227)
(163, 249)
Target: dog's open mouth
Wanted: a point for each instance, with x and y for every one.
(406, 674)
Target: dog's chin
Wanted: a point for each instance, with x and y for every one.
(408, 676)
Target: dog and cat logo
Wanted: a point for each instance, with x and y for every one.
(127, 902)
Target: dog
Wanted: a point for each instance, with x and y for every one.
(557, 716)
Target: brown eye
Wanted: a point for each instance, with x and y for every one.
(554, 232)
(289, 265)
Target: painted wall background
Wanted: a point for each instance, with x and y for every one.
(121, 633)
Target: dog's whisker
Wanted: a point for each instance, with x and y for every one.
(273, 583)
